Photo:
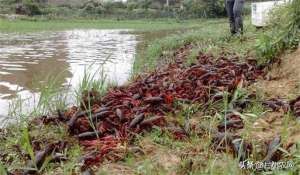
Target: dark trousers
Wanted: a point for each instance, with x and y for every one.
(234, 10)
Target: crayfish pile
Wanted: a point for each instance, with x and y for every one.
(124, 111)
(103, 124)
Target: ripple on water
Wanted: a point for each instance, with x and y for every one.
(29, 58)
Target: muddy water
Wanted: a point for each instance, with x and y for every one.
(26, 60)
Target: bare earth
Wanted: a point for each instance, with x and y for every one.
(284, 79)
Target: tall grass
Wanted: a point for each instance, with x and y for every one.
(52, 96)
(284, 32)
(25, 144)
(92, 81)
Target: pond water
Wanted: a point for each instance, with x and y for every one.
(26, 60)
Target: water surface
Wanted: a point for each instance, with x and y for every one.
(27, 60)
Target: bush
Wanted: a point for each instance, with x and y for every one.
(132, 5)
(284, 33)
(215, 8)
(204, 8)
(28, 7)
(144, 4)
(93, 7)
(132, 9)
(192, 8)
(33, 8)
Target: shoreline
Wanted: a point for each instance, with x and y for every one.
(197, 129)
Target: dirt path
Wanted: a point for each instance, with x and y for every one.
(284, 79)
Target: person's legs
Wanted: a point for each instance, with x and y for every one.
(238, 15)
(229, 8)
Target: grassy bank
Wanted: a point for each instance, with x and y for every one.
(159, 152)
(210, 36)
(46, 25)
(196, 156)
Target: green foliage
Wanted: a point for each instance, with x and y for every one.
(132, 9)
(25, 143)
(31, 7)
(210, 36)
(284, 33)
(296, 159)
(7, 6)
(191, 7)
(132, 5)
(204, 8)
(145, 4)
(265, 49)
(93, 80)
(9, 1)
(73, 153)
(2, 170)
(93, 7)
(52, 96)
(215, 8)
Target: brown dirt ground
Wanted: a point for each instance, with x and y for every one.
(284, 79)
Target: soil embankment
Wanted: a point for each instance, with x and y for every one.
(281, 83)
(283, 78)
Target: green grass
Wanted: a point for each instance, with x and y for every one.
(193, 155)
(46, 25)
(210, 36)
(283, 33)
(17, 146)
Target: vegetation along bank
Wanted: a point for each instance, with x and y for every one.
(195, 105)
